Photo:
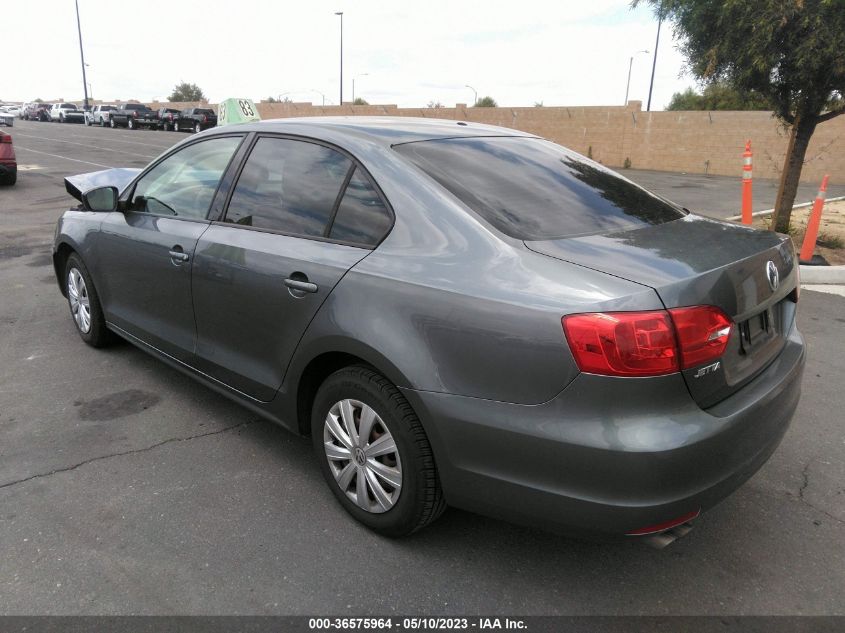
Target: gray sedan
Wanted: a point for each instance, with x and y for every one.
(455, 313)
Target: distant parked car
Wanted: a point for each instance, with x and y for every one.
(195, 120)
(39, 112)
(167, 118)
(7, 118)
(14, 110)
(8, 162)
(127, 115)
(99, 114)
(66, 113)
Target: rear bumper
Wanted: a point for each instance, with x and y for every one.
(609, 455)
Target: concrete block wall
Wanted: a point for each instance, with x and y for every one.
(692, 142)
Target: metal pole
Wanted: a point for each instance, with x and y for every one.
(628, 85)
(82, 58)
(353, 91)
(654, 63)
(340, 13)
(474, 92)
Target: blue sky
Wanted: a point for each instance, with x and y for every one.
(564, 52)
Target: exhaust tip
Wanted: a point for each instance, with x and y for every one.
(664, 539)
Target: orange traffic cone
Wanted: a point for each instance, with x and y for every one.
(746, 184)
(812, 233)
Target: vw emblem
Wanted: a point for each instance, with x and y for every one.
(772, 275)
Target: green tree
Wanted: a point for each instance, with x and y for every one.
(538, 104)
(434, 104)
(790, 52)
(486, 102)
(718, 96)
(271, 100)
(360, 101)
(184, 91)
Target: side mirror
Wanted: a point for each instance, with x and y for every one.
(100, 199)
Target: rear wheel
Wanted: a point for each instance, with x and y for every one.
(176, 126)
(197, 128)
(374, 453)
(112, 123)
(85, 303)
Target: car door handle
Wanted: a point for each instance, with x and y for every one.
(179, 256)
(302, 286)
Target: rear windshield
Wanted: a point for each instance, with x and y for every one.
(135, 106)
(532, 189)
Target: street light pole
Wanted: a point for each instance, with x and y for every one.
(82, 58)
(474, 92)
(630, 65)
(353, 84)
(340, 13)
(654, 62)
(321, 94)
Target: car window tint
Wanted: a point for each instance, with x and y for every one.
(289, 186)
(184, 183)
(361, 217)
(532, 189)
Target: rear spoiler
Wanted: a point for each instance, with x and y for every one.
(82, 183)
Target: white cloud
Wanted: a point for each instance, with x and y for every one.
(561, 53)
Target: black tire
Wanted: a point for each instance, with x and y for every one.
(130, 124)
(102, 123)
(112, 124)
(97, 335)
(420, 500)
(9, 179)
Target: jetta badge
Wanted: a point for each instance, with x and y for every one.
(772, 275)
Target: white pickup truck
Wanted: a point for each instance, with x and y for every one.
(99, 114)
(66, 113)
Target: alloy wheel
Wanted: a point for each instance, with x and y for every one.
(362, 456)
(80, 304)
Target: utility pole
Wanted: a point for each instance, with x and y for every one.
(340, 13)
(82, 58)
(654, 62)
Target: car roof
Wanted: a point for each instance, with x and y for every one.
(384, 130)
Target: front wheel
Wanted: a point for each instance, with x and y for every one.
(197, 128)
(85, 303)
(130, 124)
(374, 453)
(112, 123)
(176, 126)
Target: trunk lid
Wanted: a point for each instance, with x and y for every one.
(698, 261)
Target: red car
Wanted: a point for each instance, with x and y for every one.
(8, 163)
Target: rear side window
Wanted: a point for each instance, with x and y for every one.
(288, 186)
(362, 217)
(532, 189)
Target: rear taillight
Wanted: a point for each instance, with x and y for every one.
(623, 343)
(651, 343)
(703, 333)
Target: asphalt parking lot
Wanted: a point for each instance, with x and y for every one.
(127, 488)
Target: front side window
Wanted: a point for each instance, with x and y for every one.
(183, 184)
(288, 186)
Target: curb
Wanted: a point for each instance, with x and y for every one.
(757, 214)
(822, 275)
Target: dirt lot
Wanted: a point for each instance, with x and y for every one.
(831, 240)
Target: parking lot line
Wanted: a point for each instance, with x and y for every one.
(75, 160)
(106, 149)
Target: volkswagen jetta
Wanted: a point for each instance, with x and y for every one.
(455, 313)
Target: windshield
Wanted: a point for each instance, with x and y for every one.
(532, 189)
